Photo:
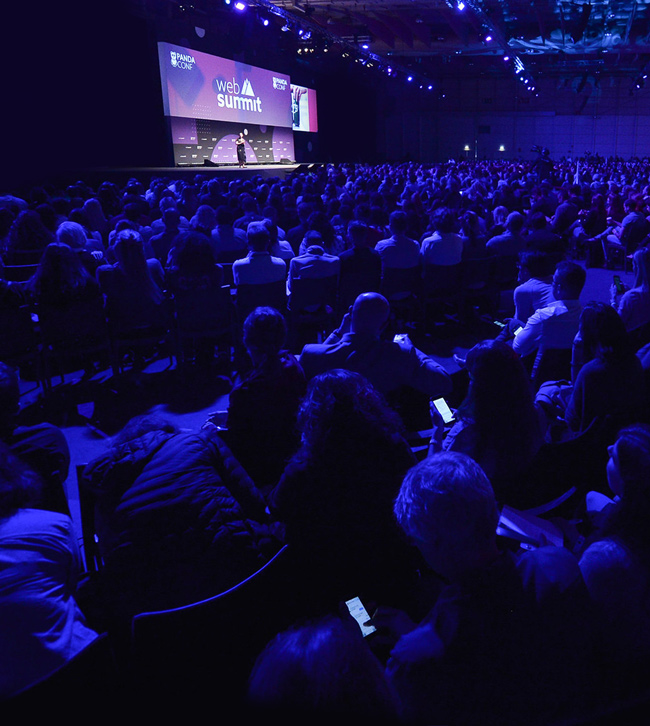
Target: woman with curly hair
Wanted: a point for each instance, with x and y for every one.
(335, 496)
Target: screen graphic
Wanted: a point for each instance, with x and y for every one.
(303, 109)
(201, 86)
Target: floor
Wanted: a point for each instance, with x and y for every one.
(90, 412)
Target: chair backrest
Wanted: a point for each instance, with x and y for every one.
(18, 273)
(476, 272)
(77, 323)
(201, 310)
(504, 270)
(441, 280)
(353, 284)
(211, 644)
(399, 280)
(310, 292)
(229, 256)
(250, 296)
(18, 335)
(554, 364)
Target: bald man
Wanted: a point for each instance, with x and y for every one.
(357, 346)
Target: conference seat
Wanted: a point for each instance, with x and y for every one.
(202, 654)
(203, 317)
(353, 284)
(440, 291)
(311, 309)
(268, 294)
(21, 345)
(18, 273)
(476, 286)
(74, 336)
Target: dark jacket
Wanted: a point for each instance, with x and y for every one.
(178, 519)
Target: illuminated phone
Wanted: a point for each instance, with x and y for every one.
(443, 409)
(519, 329)
(360, 614)
(618, 283)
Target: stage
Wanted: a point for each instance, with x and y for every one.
(120, 175)
(225, 171)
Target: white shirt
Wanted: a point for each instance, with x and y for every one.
(399, 251)
(554, 326)
(258, 268)
(442, 249)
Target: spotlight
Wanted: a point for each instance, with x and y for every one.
(430, 88)
(488, 38)
(365, 46)
(506, 58)
(461, 5)
(410, 78)
(285, 28)
(265, 22)
(240, 5)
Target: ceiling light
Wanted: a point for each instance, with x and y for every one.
(239, 5)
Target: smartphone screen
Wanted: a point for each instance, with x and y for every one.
(617, 282)
(444, 410)
(519, 329)
(400, 338)
(499, 324)
(360, 614)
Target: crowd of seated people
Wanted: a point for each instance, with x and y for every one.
(314, 452)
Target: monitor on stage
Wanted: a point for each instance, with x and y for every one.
(211, 100)
(304, 114)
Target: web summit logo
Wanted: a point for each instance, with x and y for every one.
(231, 95)
(180, 60)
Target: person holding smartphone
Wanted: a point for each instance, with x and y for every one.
(633, 304)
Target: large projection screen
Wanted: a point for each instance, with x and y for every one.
(210, 100)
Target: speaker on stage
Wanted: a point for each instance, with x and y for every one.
(209, 162)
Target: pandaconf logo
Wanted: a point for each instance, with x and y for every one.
(232, 95)
(181, 60)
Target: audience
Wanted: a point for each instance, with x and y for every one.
(41, 627)
(615, 563)
(498, 423)
(358, 345)
(177, 517)
(335, 495)
(507, 638)
(610, 380)
(318, 673)
(259, 266)
(263, 404)
(313, 455)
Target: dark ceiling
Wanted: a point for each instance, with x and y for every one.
(434, 38)
(434, 31)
